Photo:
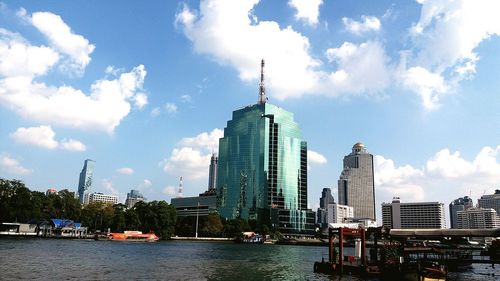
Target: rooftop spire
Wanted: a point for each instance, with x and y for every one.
(262, 89)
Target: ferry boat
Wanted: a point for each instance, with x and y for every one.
(133, 236)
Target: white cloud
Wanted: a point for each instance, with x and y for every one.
(146, 183)
(185, 98)
(43, 136)
(18, 58)
(108, 102)
(229, 32)
(368, 23)
(109, 186)
(21, 66)
(72, 145)
(155, 112)
(12, 166)
(361, 68)
(192, 159)
(125, 171)
(307, 10)
(314, 157)
(445, 177)
(445, 39)
(140, 100)
(429, 86)
(208, 142)
(64, 40)
(170, 190)
(170, 107)
(224, 30)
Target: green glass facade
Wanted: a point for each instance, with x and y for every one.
(262, 169)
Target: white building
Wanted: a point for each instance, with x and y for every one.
(397, 215)
(339, 213)
(100, 197)
(477, 218)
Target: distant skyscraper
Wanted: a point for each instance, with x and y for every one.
(133, 197)
(212, 172)
(477, 218)
(356, 183)
(490, 201)
(322, 213)
(413, 215)
(262, 168)
(85, 183)
(459, 204)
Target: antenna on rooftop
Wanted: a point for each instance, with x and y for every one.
(262, 89)
(179, 194)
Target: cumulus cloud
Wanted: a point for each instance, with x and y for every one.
(192, 158)
(146, 183)
(444, 177)
(125, 171)
(368, 23)
(22, 65)
(62, 39)
(185, 98)
(12, 166)
(306, 10)
(314, 157)
(43, 136)
(429, 86)
(361, 67)
(228, 31)
(445, 39)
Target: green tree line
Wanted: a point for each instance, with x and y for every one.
(19, 204)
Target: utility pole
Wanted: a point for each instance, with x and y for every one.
(197, 211)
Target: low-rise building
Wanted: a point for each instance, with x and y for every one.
(201, 205)
(397, 215)
(100, 197)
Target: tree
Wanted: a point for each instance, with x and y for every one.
(235, 227)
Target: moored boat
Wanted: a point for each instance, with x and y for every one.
(132, 236)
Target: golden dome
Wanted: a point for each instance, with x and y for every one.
(359, 146)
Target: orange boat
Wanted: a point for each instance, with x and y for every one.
(132, 236)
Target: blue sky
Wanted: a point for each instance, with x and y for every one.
(145, 90)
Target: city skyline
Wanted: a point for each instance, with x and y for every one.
(145, 92)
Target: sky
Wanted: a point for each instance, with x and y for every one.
(145, 89)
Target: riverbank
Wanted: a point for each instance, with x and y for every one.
(201, 238)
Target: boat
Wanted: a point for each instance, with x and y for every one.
(132, 236)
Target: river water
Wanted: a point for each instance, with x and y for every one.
(58, 259)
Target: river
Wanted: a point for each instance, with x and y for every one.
(60, 259)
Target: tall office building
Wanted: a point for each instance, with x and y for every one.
(356, 185)
(85, 183)
(460, 204)
(262, 168)
(490, 201)
(477, 218)
(133, 197)
(212, 172)
(322, 213)
(413, 215)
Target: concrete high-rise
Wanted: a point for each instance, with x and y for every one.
(356, 186)
(85, 182)
(460, 204)
(490, 201)
(133, 197)
(212, 172)
(413, 215)
(262, 168)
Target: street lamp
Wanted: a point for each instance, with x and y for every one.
(197, 212)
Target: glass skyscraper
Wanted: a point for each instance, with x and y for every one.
(262, 168)
(85, 183)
